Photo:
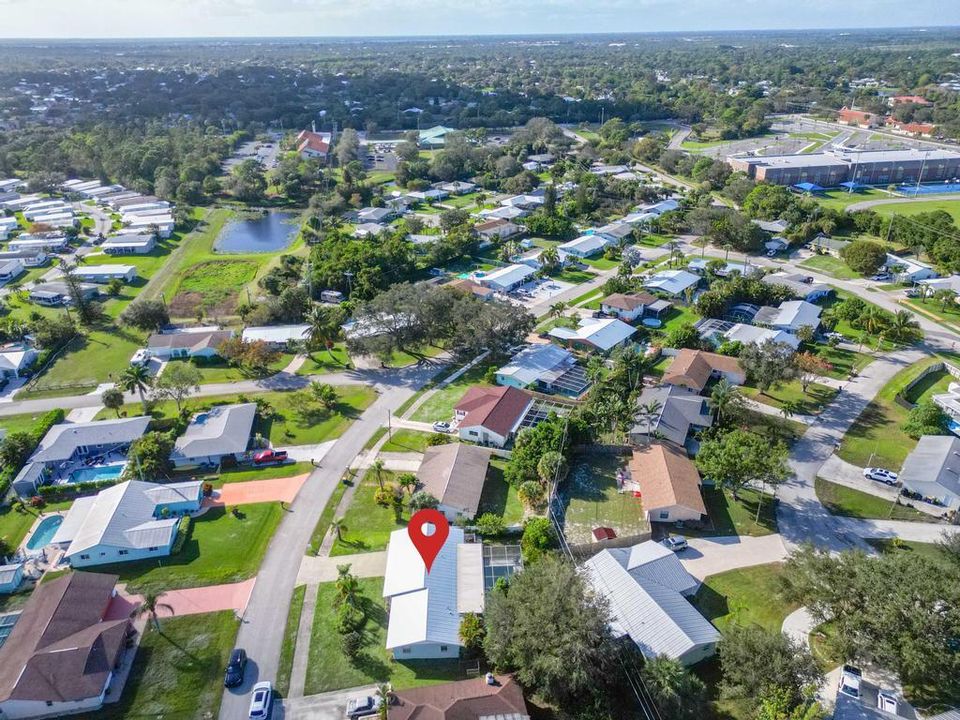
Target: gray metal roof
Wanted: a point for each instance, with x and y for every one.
(61, 441)
(933, 468)
(223, 430)
(679, 409)
(535, 361)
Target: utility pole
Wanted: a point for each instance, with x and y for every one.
(348, 274)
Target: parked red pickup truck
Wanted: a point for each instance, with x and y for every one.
(266, 457)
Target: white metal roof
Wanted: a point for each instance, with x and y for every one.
(672, 281)
(535, 361)
(604, 334)
(62, 440)
(585, 244)
(276, 333)
(507, 276)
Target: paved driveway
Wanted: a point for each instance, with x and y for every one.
(325, 706)
(257, 491)
(709, 556)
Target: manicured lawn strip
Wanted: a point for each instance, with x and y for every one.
(15, 525)
(655, 240)
(772, 426)
(601, 263)
(926, 387)
(660, 366)
(19, 423)
(399, 359)
(845, 501)
(810, 403)
(829, 265)
(498, 497)
(220, 371)
(329, 512)
(221, 549)
(748, 596)
(843, 361)
(574, 276)
(912, 208)
(875, 437)
(375, 438)
(948, 315)
(330, 669)
(736, 517)
(593, 500)
(289, 646)
(678, 315)
(439, 406)
(840, 199)
(250, 474)
(178, 670)
(326, 361)
(368, 525)
(406, 441)
(930, 551)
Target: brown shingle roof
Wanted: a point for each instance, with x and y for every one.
(454, 474)
(463, 700)
(628, 302)
(61, 649)
(491, 224)
(667, 477)
(692, 368)
(496, 408)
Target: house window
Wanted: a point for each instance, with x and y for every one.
(405, 651)
(123, 552)
(443, 648)
(153, 549)
(473, 433)
(84, 557)
(665, 515)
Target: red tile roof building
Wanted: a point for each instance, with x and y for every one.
(912, 128)
(846, 116)
(463, 700)
(491, 415)
(313, 144)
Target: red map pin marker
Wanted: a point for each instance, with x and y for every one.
(428, 545)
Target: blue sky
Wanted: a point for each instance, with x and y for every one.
(192, 18)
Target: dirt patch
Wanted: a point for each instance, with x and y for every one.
(185, 304)
(213, 287)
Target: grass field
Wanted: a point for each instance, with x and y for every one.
(875, 438)
(178, 670)
(840, 199)
(407, 441)
(948, 315)
(325, 361)
(737, 517)
(843, 362)
(749, 596)
(368, 526)
(913, 208)
(810, 403)
(439, 406)
(19, 423)
(592, 500)
(498, 497)
(217, 370)
(328, 514)
(289, 646)
(845, 501)
(329, 668)
(221, 549)
(829, 265)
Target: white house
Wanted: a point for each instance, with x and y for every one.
(790, 316)
(647, 588)
(907, 270)
(11, 269)
(506, 278)
(425, 608)
(31, 257)
(672, 282)
(130, 521)
(601, 334)
(15, 358)
(129, 244)
(223, 431)
(585, 246)
(370, 229)
(188, 343)
(491, 415)
(276, 335)
(106, 273)
(7, 225)
(163, 224)
(498, 228)
(53, 294)
(29, 242)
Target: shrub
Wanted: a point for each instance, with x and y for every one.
(490, 524)
(438, 439)
(351, 643)
(183, 534)
(349, 619)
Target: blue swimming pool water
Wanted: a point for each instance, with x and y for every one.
(929, 189)
(44, 533)
(101, 472)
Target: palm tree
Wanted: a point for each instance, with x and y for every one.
(648, 412)
(944, 297)
(136, 378)
(347, 585)
(904, 326)
(339, 527)
(595, 368)
(875, 321)
(550, 258)
(324, 327)
(558, 308)
(384, 694)
(407, 481)
(789, 408)
(150, 606)
(724, 399)
(377, 467)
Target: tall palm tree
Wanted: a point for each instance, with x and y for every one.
(904, 326)
(875, 320)
(724, 399)
(377, 467)
(595, 368)
(339, 527)
(550, 257)
(648, 412)
(324, 326)
(384, 694)
(558, 308)
(136, 378)
(944, 297)
(150, 606)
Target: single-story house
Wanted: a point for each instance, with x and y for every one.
(693, 369)
(498, 228)
(131, 521)
(212, 435)
(492, 696)
(491, 415)
(616, 232)
(162, 225)
(434, 137)
(467, 285)
(375, 215)
(504, 213)
(776, 244)
(720, 331)
(188, 343)
(932, 469)
(633, 307)
(370, 229)
(11, 269)
(774, 227)
(61, 655)
(15, 358)
(31, 257)
(533, 256)
(790, 316)
(457, 187)
(669, 483)
(106, 273)
(430, 195)
(907, 270)
(659, 208)
(601, 334)
(585, 246)
(672, 282)
(57, 293)
(828, 245)
(48, 242)
(647, 588)
(545, 368)
(11, 576)
(527, 201)
(506, 278)
(454, 474)
(66, 442)
(951, 283)
(801, 286)
(680, 413)
(277, 335)
(425, 608)
(129, 244)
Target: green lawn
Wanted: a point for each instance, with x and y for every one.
(498, 497)
(407, 441)
(844, 327)
(929, 385)
(655, 239)
(592, 500)
(840, 199)
(930, 551)
(845, 501)
(439, 406)
(15, 525)
(810, 403)
(19, 423)
(829, 265)
(326, 361)
(289, 646)
(330, 669)
(910, 207)
(218, 370)
(948, 315)
(678, 315)
(842, 361)
(748, 596)
(736, 517)
(249, 474)
(178, 671)
(601, 263)
(875, 438)
(221, 549)
(574, 276)
(368, 525)
(287, 427)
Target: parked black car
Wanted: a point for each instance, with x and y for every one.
(235, 668)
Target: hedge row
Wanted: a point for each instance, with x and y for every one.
(71, 490)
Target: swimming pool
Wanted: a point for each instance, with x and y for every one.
(44, 533)
(934, 189)
(98, 472)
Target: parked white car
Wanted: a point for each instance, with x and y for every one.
(887, 702)
(880, 475)
(850, 679)
(260, 700)
(676, 542)
(441, 427)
